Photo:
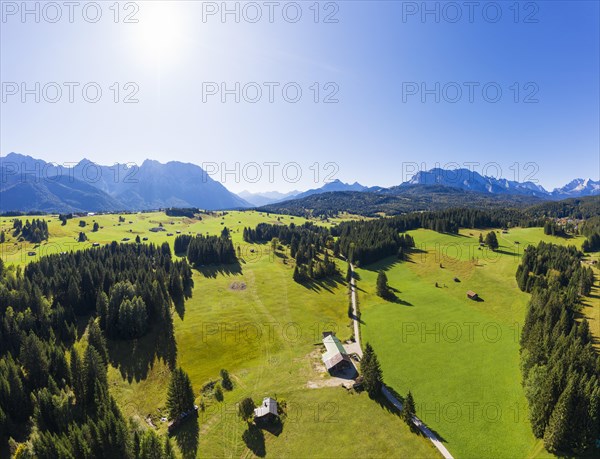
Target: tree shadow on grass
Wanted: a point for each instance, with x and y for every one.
(213, 271)
(354, 317)
(327, 283)
(274, 428)
(135, 358)
(393, 298)
(382, 265)
(456, 235)
(255, 440)
(411, 253)
(507, 252)
(187, 437)
(402, 302)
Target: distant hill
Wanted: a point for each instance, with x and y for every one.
(335, 185)
(120, 187)
(267, 197)
(404, 199)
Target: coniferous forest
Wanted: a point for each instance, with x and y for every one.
(206, 250)
(35, 231)
(560, 368)
(122, 291)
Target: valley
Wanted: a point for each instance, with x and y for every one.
(458, 357)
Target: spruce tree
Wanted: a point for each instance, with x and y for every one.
(226, 380)
(77, 377)
(180, 395)
(218, 393)
(169, 451)
(408, 410)
(491, 240)
(559, 433)
(382, 288)
(96, 339)
(371, 370)
(246, 409)
(150, 446)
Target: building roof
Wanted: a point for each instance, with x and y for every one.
(471, 293)
(269, 406)
(335, 351)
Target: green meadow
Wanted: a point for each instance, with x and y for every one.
(257, 323)
(459, 357)
(64, 238)
(265, 330)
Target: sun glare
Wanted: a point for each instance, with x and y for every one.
(159, 34)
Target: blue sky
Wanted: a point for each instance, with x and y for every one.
(377, 59)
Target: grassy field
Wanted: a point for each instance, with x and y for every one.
(64, 238)
(257, 323)
(459, 357)
(264, 329)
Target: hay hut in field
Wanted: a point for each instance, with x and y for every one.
(472, 295)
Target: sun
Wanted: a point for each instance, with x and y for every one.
(159, 34)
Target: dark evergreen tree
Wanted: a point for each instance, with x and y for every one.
(382, 289)
(246, 409)
(491, 240)
(97, 339)
(371, 371)
(226, 380)
(180, 395)
(408, 410)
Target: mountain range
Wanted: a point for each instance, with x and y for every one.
(468, 180)
(267, 197)
(29, 184)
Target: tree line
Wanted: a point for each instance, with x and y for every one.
(591, 229)
(189, 212)
(559, 364)
(49, 391)
(364, 242)
(35, 231)
(310, 246)
(206, 250)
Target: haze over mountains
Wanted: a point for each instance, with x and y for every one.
(29, 184)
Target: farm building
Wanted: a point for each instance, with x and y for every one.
(335, 358)
(472, 295)
(267, 411)
(156, 229)
(96, 244)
